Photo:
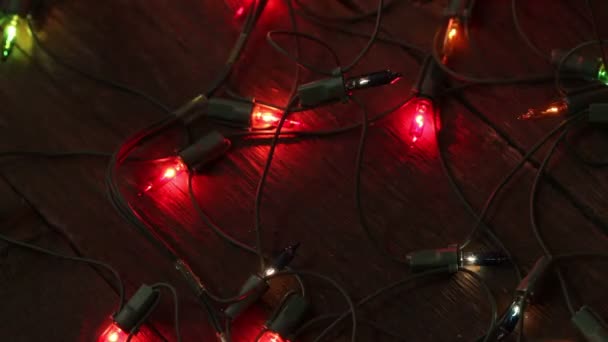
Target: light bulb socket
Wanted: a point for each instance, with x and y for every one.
(132, 314)
(576, 63)
(289, 315)
(590, 325)
(455, 8)
(580, 100)
(234, 113)
(323, 91)
(253, 289)
(435, 258)
(531, 284)
(431, 80)
(191, 110)
(285, 257)
(207, 149)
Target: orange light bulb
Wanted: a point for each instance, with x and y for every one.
(451, 38)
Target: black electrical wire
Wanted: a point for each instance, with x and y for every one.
(522, 34)
(465, 202)
(353, 19)
(596, 30)
(92, 77)
(371, 41)
(415, 51)
(173, 291)
(292, 100)
(534, 220)
(510, 175)
(114, 193)
(32, 247)
(297, 60)
(357, 192)
(372, 324)
(145, 316)
(208, 222)
(558, 76)
(330, 73)
(474, 79)
(579, 156)
(343, 292)
(388, 288)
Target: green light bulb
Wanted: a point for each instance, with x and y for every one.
(8, 36)
(602, 75)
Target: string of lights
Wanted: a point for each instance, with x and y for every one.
(265, 120)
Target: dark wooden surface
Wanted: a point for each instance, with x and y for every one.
(173, 50)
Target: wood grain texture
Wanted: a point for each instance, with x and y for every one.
(173, 50)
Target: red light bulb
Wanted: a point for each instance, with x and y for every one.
(265, 117)
(113, 334)
(271, 336)
(422, 110)
(166, 170)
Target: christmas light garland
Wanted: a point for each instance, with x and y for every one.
(261, 119)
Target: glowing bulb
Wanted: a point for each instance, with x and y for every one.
(471, 259)
(554, 109)
(602, 75)
(166, 170)
(113, 333)
(422, 110)
(271, 336)
(9, 34)
(270, 271)
(515, 310)
(239, 12)
(265, 117)
(450, 38)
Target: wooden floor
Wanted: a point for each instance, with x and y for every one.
(173, 50)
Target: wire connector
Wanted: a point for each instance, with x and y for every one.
(289, 315)
(455, 9)
(207, 149)
(586, 66)
(452, 257)
(232, 112)
(590, 325)
(435, 258)
(323, 91)
(253, 289)
(135, 311)
(431, 80)
(190, 111)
